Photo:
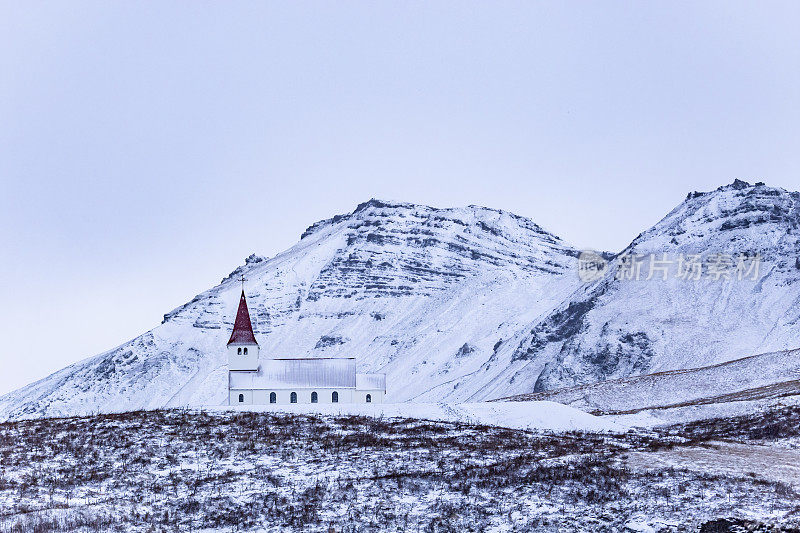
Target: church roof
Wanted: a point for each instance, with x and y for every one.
(242, 329)
(371, 382)
(299, 373)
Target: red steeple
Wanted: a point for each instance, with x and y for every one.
(242, 329)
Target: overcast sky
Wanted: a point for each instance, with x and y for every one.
(146, 148)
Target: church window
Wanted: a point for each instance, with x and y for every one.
(245, 351)
(293, 397)
(241, 398)
(335, 397)
(240, 352)
(314, 397)
(273, 397)
(369, 398)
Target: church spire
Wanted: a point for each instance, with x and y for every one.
(242, 328)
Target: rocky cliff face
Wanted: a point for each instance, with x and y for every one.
(470, 304)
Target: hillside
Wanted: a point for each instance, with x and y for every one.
(182, 470)
(734, 387)
(419, 293)
(615, 327)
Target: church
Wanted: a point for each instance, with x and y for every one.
(284, 380)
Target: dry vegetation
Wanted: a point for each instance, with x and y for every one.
(187, 471)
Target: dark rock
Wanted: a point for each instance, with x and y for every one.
(491, 229)
(465, 350)
(253, 259)
(329, 340)
(558, 327)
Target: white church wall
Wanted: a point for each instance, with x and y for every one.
(238, 361)
(376, 396)
(283, 396)
(241, 397)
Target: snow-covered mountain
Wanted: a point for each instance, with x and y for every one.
(619, 327)
(466, 304)
(419, 293)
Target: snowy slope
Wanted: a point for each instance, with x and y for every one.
(534, 415)
(419, 293)
(620, 327)
(764, 377)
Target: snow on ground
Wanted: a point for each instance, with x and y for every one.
(540, 415)
(734, 388)
(184, 470)
(648, 418)
(727, 458)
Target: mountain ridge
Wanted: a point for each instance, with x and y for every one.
(461, 304)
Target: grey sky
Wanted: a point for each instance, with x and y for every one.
(147, 147)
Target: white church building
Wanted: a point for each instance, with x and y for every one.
(253, 379)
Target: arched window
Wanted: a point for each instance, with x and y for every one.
(239, 352)
(245, 351)
(293, 397)
(314, 397)
(273, 397)
(241, 398)
(335, 397)
(369, 398)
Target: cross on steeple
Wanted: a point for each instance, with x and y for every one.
(242, 279)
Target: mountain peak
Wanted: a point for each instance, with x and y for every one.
(372, 203)
(739, 184)
(378, 210)
(378, 203)
(736, 218)
(736, 185)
